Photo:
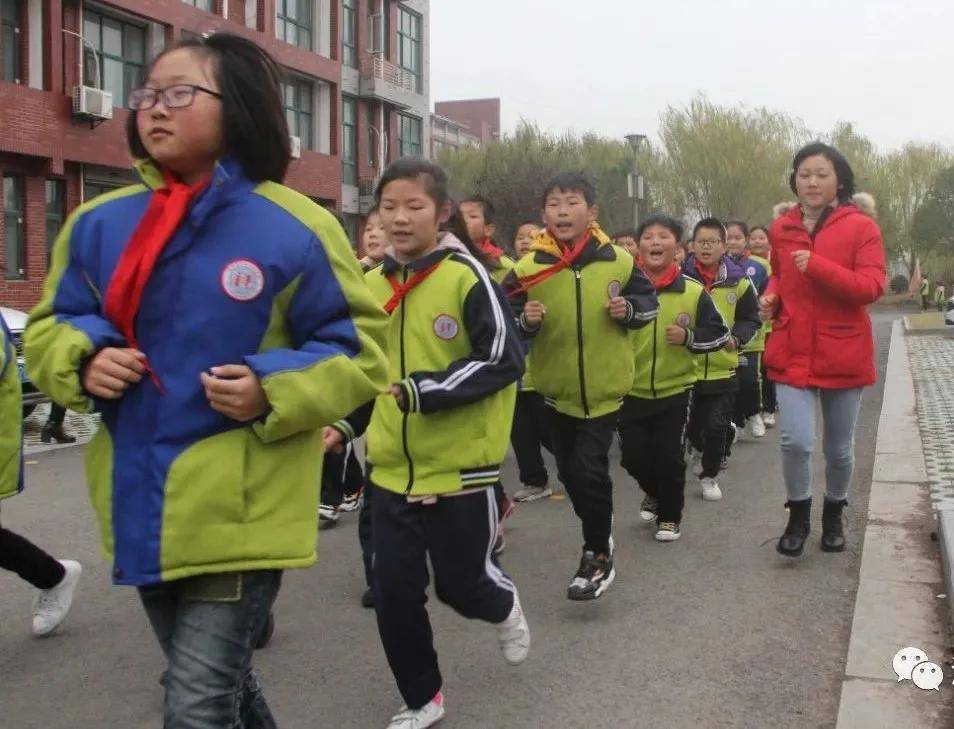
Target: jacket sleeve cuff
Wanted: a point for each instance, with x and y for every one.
(411, 396)
(344, 427)
(527, 327)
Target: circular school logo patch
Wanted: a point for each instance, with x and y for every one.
(446, 326)
(683, 319)
(750, 271)
(732, 298)
(614, 289)
(242, 279)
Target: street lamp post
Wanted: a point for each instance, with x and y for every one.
(635, 181)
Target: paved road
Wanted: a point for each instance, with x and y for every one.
(712, 631)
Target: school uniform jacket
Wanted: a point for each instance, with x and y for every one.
(758, 270)
(11, 418)
(455, 353)
(582, 360)
(259, 275)
(734, 296)
(663, 369)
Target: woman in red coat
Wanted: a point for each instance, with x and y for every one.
(828, 267)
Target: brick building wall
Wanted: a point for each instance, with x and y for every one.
(480, 116)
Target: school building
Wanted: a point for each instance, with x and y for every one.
(356, 97)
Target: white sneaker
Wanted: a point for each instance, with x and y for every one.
(710, 489)
(533, 493)
(695, 461)
(755, 427)
(737, 434)
(50, 607)
(768, 420)
(428, 715)
(513, 634)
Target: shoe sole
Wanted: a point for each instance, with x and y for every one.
(536, 497)
(786, 553)
(711, 497)
(832, 550)
(667, 537)
(647, 516)
(49, 631)
(599, 590)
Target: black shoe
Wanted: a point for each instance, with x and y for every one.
(833, 532)
(163, 677)
(55, 432)
(792, 542)
(367, 599)
(596, 573)
(267, 632)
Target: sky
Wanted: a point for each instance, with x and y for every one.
(612, 66)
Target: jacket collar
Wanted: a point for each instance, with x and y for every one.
(678, 285)
(792, 220)
(729, 274)
(447, 244)
(595, 250)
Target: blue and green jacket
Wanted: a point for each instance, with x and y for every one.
(455, 353)
(758, 270)
(11, 418)
(259, 275)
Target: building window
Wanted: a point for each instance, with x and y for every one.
(55, 210)
(349, 33)
(205, 5)
(409, 136)
(410, 54)
(95, 188)
(295, 22)
(14, 203)
(120, 55)
(373, 143)
(10, 32)
(349, 141)
(300, 110)
(378, 27)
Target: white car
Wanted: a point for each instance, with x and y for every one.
(16, 323)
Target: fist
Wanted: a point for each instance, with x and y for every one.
(235, 392)
(398, 395)
(801, 259)
(768, 307)
(731, 345)
(676, 335)
(110, 373)
(533, 313)
(618, 308)
(333, 440)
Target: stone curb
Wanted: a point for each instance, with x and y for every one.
(896, 605)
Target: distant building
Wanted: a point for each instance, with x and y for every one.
(481, 117)
(449, 134)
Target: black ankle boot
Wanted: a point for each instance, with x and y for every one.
(792, 542)
(833, 533)
(55, 432)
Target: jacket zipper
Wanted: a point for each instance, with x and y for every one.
(404, 413)
(579, 340)
(652, 372)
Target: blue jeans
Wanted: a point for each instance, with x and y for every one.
(208, 641)
(796, 411)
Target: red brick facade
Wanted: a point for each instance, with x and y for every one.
(40, 140)
(480, 116)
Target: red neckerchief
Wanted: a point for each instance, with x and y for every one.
(488, 247)
(570, 254)
(403, 289)
(666, 278)
(708, 277)
(167, 209)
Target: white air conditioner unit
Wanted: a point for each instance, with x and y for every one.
(295, 146)
(92, 103)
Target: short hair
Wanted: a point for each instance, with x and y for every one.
(253, 117)
(626, 233)
(709, 223)
(670, 223)
(740, 224)
(490, 212)
(760, 227)
(375, 210)
(570, 182)
(843, 172)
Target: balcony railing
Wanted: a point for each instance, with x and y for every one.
(376, 67)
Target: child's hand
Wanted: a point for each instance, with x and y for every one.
(533, 313)
(618, 308)
(110, 373)
(768, 307)
(333, 440)
(235, 391)
(398, 394)
(731, 345)
(676, 334)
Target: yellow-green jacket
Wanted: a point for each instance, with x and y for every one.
(11, 418)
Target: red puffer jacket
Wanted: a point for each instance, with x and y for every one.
(822, 333)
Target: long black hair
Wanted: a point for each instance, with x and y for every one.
(843, 172)
(253, 118)
(434, 179)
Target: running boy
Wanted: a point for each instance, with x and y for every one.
(653, 418)
(481, 219)
(577, 296)
(717, 384)
(747, 417)
(203, 470)
(761, 251)
(437, 438)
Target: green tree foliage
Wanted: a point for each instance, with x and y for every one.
(934, 220)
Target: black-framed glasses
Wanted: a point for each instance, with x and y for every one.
(708, 242)
(177, 96)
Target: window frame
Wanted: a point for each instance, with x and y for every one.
(349, 33)
(135, 68)
(403, 142)
(14, 218)
(349, 132)
(297, 83)
(11, 28)
(55, 209)
(283, 20)
(415, 44)
(201, 5)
